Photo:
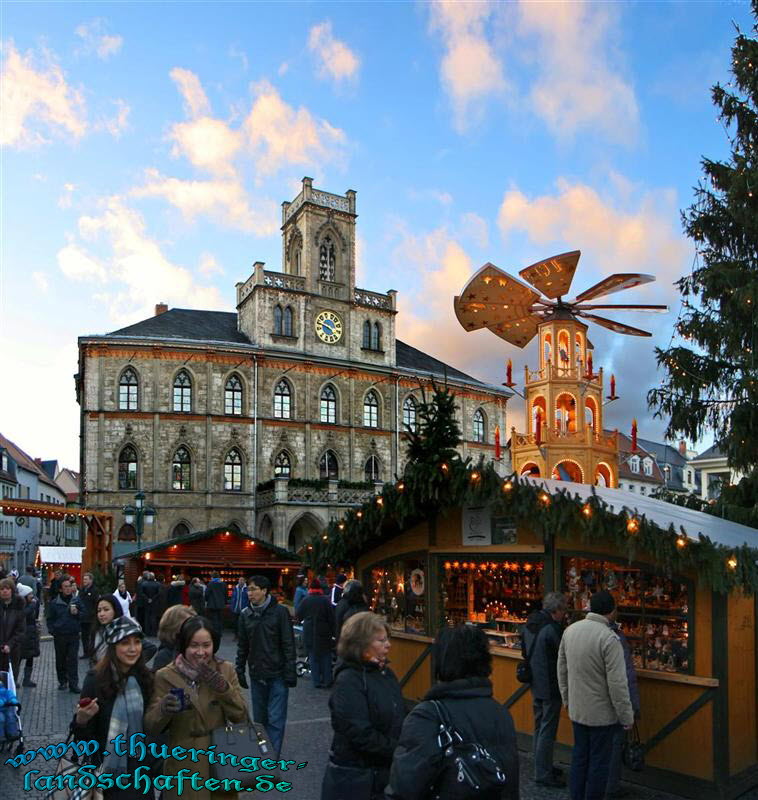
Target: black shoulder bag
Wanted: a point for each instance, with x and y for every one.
(524, 667)
(468, 769)
(633, 751)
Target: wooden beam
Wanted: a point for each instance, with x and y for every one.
(415, 665)
(706, 697)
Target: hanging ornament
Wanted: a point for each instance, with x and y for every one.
(634, 435)
(497, 443)
(538, 429)
(612, 395)
(589, 365)
(509, 373)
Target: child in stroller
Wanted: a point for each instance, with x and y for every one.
(10, 720)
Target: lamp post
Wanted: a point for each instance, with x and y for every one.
(139, 515)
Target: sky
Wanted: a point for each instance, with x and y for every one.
(146, 148)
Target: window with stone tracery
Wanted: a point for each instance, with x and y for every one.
(328, 408)
(127, 468)
(233, 471)
(328, 467)
(282, 465)
(371, 469)
(128, 390)
(327, 260)
(182, 392)
(371, 410)
(282, 400)
(233, 396)
(409, 414)
(478, 426)
(181, 471)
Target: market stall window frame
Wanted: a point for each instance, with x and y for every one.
(690, 618)
(417, 555)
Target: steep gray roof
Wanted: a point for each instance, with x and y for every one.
(711, 452)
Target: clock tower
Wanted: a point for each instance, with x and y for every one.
(312, 305)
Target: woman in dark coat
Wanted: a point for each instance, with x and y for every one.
(30, 642)
(353, 601)
(12, 625)
(367, 711)
(463, 665)
(317, 615)
(197, 596)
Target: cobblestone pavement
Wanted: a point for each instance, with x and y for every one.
(46, 713)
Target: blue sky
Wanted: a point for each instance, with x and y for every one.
(146, 148)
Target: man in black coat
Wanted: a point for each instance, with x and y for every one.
(266, 647)
(86, 602)
(317, 615)
(542, 637)
(215, 601)
(63, 623)
(151, 591)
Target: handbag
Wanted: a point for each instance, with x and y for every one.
(69, 764)
(342, 782)
(239, 739)
(633, 751)
(468, 769)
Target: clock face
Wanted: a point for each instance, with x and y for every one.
(329, 327)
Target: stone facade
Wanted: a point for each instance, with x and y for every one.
(253, 346)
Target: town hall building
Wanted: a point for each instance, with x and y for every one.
(273, 419)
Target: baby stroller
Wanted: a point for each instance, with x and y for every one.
(302, 667)
(11, 736)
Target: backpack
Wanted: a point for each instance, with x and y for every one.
(534, 624)
(468, 769)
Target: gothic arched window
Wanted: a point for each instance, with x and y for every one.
(181, 471)
(376, 336)
(409, 414)
(327, 260)
(371, 469)
(277, 320)
(233, 471)
(282, 400)
(233, 396)
(287, 322)
(478, 428)
(366, 335)
(180, 529)
(328, 468)
(182, 392)
(282, 465)
(128, 390)
(328, 406)
(371, 410)
(127, 468)
(127, 533)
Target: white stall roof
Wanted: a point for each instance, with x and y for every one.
(60, 555)
(663, 514)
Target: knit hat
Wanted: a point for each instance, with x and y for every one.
(121, 628)
(22, 591)
(340, 579)
(602, 602)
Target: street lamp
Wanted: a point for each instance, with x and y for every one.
(139, 515)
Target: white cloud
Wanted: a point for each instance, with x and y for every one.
(223, 200)
(33, 100)
(280, 135)
(41, 282)
(471, 70)
(209, 266)
(578, 85)
(475, 228)
(117, 124)
(240, 55)
(64, 201)
(134, 269)
(284, 68)
(96, 40)
(209, 144)
(195, 100)
(336, 61)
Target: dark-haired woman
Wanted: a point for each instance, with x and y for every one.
(367, 712)
(113, 699)
(463, 666)
(353, 601)
(108, 608)
(211, 697)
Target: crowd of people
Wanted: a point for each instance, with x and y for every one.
(180, 690)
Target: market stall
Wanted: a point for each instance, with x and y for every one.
(685, 603)
(68, 559)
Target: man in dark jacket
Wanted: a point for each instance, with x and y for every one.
(151, 591)
(239, 601)
(86, 602)
(63, 623)
(542, 638)
(266, 646)
(215, 601)
(12, 626)
(317, 615)
(336, 590)
(353, 601)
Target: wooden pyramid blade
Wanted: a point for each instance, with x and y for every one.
(614, 283)
(553, 276)
(492, 296)
(619, 307)
(617, 327)
(517, 331)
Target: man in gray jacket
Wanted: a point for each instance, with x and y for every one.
(593, 684)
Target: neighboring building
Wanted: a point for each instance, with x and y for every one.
(213, 413)
(638, 469)
(714, 472)
(68, 480)
(34, 481)
(9, 490)
(675, 463)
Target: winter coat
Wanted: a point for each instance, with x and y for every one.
(12, 630)
(266, 643)
(215, 595)
(165, 656)
(60, 621)
(86, 602)
(30, 642)
(631, 672)
(301, 592)
(317, 615)
(197, 598)
(367, 710)
(347, 606)
(239, 599)
(150, 590)
(335, 594)
(542, 648)
(174, 597)
(192, 728)
(477, 716)
(592, 674)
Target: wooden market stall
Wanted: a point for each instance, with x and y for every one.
(681, 601)
(199, 554)
(68, 559)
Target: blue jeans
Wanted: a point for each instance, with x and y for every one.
(269, 698)
(547, 714)
(590, 760)
(321, 668)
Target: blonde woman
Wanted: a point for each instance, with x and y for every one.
(168, 629)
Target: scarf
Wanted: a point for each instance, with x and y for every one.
(258, 610)
(315, 591)
(185, 669)
(126, 718)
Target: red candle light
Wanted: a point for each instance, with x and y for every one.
(613, 386)
(589, 365)
(634, 435)
(509, 373)
(538, 428)
(497, 443)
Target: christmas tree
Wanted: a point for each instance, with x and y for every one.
(711, 382)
